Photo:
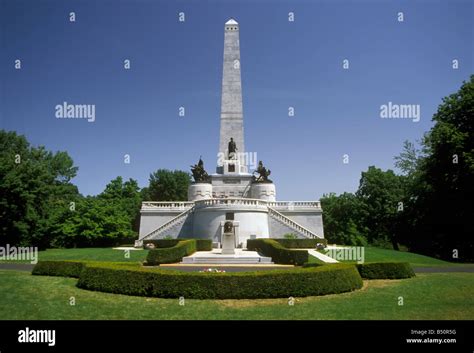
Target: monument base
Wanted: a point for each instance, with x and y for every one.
(216, 257)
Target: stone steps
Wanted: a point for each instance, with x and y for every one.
(224, 260)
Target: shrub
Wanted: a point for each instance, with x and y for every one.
(58, 268)
(233, 285)
(278, 253)
(201, 244)
(161, 243)
(290, 236)
(301, 243)
(385, 270)
(171, 255)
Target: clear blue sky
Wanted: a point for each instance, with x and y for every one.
(176, 64)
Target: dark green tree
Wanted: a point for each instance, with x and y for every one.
(33, 183)
(126, 195)
(342, 219)
(381, 194)
(443, 184)
(167, 185)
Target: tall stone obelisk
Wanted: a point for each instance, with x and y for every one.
(232, 124)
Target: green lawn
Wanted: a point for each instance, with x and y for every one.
(416, 260)
(92, 254)
(109, 254)
(428, 296)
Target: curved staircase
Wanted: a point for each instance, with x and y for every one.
(155, 234)
(305, 232)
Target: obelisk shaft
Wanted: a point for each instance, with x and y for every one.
(232, 124)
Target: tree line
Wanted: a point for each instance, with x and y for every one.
(40, 206)
(428, 207)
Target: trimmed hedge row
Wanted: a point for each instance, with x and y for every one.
(301, 243)
(385, 270)
(201, 244)
(161, 243)
(58, 268)
(278, 253)
(171, 255)
(234, 285)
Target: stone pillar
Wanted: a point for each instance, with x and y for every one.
(232, 123)
(263, 191)
(199, 191)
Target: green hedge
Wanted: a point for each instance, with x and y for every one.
(385, 270)
(161, 243)
(300, 243)
(201, 244)
(233, 285)
(278, 253)
(171, 255)
(58, 268)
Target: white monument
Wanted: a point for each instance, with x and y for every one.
(232, 194)
(228, 237)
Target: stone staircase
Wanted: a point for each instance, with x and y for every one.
(298, 228)
(155, 234)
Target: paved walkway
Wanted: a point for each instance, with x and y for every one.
(440, 269)
(321, 256)
(16, 267)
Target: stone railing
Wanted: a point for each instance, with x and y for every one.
(167, 205)
(238, 201)
(294, 204)
(230, 202)
(171, 223)
(292, 224)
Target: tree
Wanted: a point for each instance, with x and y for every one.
(342, 216)
(382, 194)
(32, 182)
(127, 195)
(167, 185)
(94, 222)
(443, 188)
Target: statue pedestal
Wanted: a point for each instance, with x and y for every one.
(228, 247)
(263, 191)
(199, 191)
(232, 167)
(229, 237)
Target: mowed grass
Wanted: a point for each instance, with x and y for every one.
(91, 254)
(108, 254)
(440, 296)
(416, 260)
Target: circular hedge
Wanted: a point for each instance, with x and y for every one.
(301, 282)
